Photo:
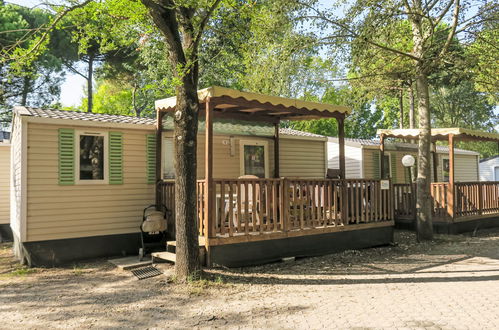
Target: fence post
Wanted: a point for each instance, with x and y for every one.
(284, 205)
(344, 204)
(480, 198)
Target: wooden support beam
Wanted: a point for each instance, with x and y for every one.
(450, 190)
(341, 143)
(159, 140)
(276, 150)
(435, 161)
(208, 171)
(382, 155)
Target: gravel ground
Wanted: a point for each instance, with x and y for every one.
(450, 283)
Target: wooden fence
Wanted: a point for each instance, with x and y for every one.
(258, 206)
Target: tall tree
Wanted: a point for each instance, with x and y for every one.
(182, 24)
(37, 84)
(364, 20)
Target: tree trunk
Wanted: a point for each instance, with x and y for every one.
(25, 92)
(185, 134)
(90, 91)
(136, 109)
(401, 100)
(412, 118)
(424, 225)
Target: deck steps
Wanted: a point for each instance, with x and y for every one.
(166, 256)
(169, 255)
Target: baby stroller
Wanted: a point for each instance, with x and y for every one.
(153, 230)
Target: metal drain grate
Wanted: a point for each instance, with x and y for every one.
(146, 272)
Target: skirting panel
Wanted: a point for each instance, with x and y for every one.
(254, 253)
(56, 252)
(5, 233)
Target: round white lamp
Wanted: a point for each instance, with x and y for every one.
(408, 161)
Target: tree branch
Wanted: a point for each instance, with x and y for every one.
(203, 23)
(53, 25)
(452, 32)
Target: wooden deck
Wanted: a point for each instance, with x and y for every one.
(247, 210)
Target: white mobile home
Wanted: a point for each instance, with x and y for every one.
(362, 158)
(489, 169)
(5, 233)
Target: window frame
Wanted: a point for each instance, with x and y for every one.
(494, 172)
(442, 168)
(163, 155)
(79, 133)
(389, 165)
(249, 142)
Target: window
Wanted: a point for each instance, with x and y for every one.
(254, 158)
(445, 169)
(387, 164)
(168, 169)
(496, 173)
(91, 157)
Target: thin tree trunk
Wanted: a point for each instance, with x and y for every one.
(25, 92)
(424, 224)
(134, 101)
(401, 100)
(90, 92)
(185, 134)
(412, 118)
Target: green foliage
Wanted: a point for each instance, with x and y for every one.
(362, 123)
(483, 55)
(112, 99)
(462, 106)
(31, 81)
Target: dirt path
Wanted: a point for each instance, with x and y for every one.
(451, 283)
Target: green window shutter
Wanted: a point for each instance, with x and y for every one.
(393, 159)
(66, 156)
(115, 158)
(376, 165)
(151, 158)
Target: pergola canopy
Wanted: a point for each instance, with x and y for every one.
(441, 134)
(234, 104)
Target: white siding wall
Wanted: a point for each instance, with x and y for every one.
(17, 144)
(82, 210)
(4, 183)
(487, 170)
(353, 160)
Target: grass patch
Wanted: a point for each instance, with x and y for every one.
(19, 271)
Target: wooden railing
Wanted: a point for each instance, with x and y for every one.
(404, 200)
(476, 198)
(439, 199)
(257, 206)
(168, 193)
(470, 199)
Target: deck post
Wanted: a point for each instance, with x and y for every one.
(435, 161)
(276, 150)
(341, 143)
(159, 135)
(382, 155)
(208, 173)
(450, 190)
